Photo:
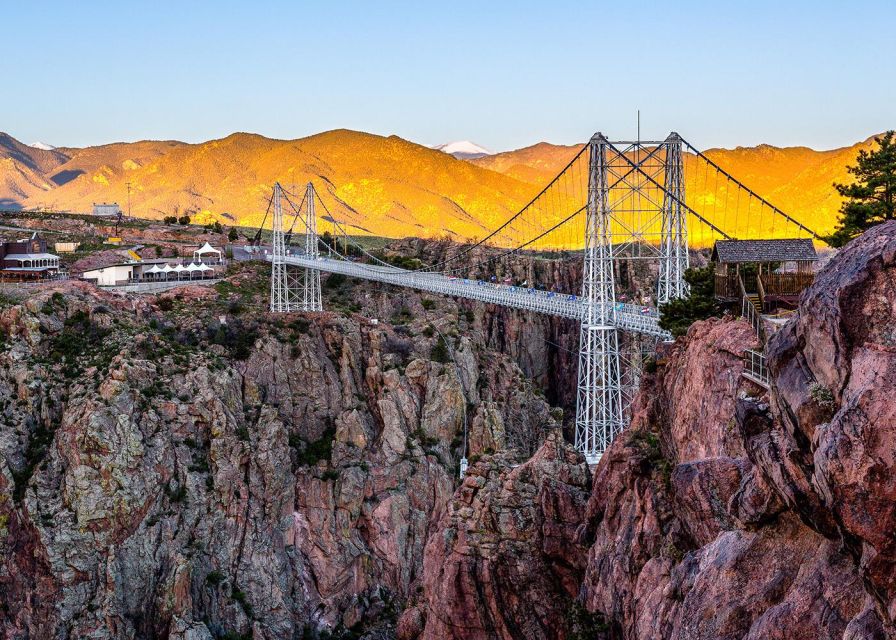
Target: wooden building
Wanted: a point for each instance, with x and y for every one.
(771, 273)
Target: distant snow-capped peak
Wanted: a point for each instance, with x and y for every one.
(42, 145)
(463, 149)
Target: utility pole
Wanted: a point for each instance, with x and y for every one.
(129, 200)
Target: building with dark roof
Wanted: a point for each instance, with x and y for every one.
(27, 259)
(764, 251)
(770, 273)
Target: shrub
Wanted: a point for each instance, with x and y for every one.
(330, 474)
(320, 449)
(677, 315)
(821, 395)
(401, 347)
(178, 494)
(240, 597)
(439, 351)
(300, 325)
(334, 280)
(237, 337)
(184, 220)
(214, 578)
(582, 624)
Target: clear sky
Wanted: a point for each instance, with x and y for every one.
(503, 74)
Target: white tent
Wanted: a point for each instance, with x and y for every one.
(202, 268)
(167, 270)
(154, 270)
(207, 250)
(192, 268)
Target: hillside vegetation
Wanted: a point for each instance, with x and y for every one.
(383, 186)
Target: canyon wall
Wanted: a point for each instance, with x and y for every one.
(186, 466)
(725, 511)
(180, 467)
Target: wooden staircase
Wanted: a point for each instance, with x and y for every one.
(756, 301)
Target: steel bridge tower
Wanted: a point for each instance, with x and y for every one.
(285, 285)
(674, 259)
(311, 300)
(280, 289)
(599, 396)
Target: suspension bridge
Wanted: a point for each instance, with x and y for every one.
(650, 202)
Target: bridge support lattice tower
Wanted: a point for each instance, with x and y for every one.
(311, 300)
(294, 289)
(599, 396)
(674, 259)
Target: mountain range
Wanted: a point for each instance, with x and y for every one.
(380, 185)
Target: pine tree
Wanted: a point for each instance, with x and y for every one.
(871, 199)
(680, 313)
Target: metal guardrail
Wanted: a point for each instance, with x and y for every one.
(755, 368)
(158, 286)
(625, 316)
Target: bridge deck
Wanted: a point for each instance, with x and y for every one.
(628, 317)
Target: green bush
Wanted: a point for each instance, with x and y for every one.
(334, 280)
(214, 578)
(320, 449)
(439, 351)
(677, 315)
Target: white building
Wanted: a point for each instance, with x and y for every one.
(106, 209)
(124, 273)
(120, 273)
(112, 274)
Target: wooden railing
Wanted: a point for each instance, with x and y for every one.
(726, 285)
(748, 311)
(785, 284)
(760, 289)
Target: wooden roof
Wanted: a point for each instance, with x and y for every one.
(733, 251)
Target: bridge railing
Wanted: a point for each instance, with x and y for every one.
(755, 368)
(626, 316)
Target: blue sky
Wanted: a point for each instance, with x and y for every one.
(504, 74)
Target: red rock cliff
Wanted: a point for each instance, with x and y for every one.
(725, 511)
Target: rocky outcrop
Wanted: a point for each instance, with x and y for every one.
(729, 513)
(725, 511)
(179, 467)
(504, 562)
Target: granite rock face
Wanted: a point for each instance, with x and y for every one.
(726, 511)
(178, 467)
(505, 561)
